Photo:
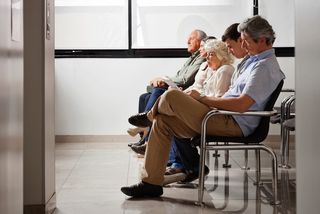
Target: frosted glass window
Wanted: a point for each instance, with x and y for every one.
(280, 14)
(91, 24)
(167, 23)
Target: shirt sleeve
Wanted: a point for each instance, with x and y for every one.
(256, 87)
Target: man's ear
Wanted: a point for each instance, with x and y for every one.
(262, 40)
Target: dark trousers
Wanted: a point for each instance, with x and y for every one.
(187, 154)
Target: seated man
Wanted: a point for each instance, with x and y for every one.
(183, 78)
(186, 156)
(180, 115)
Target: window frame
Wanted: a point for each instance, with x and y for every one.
(148, 53)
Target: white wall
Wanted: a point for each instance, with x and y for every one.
(96, 96)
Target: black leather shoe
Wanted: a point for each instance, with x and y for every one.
(139, 143)
(143, 189)
(191, 176)
(140, 120)
(139, 149)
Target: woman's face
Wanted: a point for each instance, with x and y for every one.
(213, 61)
(203, 53)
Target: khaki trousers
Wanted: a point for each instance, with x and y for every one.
(177, 114)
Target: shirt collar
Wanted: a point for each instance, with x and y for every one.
(195, 53)
(262, 55)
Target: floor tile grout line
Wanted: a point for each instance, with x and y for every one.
(71, 170)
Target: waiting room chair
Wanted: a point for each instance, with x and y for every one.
(287, 125)
(251, 142)
(285, 111)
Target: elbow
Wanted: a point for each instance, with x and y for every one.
(243, 108)
(244, 103)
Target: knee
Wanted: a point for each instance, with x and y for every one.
(171, 94)
(161, 123)
(158, 90)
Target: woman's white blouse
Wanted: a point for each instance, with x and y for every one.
(218, 81)
(200, 77)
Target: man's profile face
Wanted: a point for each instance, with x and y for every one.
(251, 46)
(193, 42)
(234, 47)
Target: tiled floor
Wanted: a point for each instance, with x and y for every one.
(89, 177)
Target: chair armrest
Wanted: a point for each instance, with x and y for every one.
(248, 113)
(224, 112)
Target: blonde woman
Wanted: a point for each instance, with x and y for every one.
(218, 80)
(220, 69)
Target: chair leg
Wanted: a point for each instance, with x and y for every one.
(274, 179)
(207, 158)
(245, 167)
(258, 168)
(226, 157)
(203, 151)
(275, 200)
(284, 149)
(216, 154)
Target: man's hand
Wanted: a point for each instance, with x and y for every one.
(157, 82)
(194, 94)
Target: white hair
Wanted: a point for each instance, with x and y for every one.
(220, 49)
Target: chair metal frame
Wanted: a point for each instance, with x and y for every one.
(252, 142)
(286, 114)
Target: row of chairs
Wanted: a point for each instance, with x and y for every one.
(287, 124)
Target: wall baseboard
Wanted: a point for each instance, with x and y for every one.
(41, 208)
(94, 138)
(127, 138)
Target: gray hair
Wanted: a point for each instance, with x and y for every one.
(220, 49)
(201, 34)
(257, 27)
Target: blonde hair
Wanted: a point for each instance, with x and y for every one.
(220, 49)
